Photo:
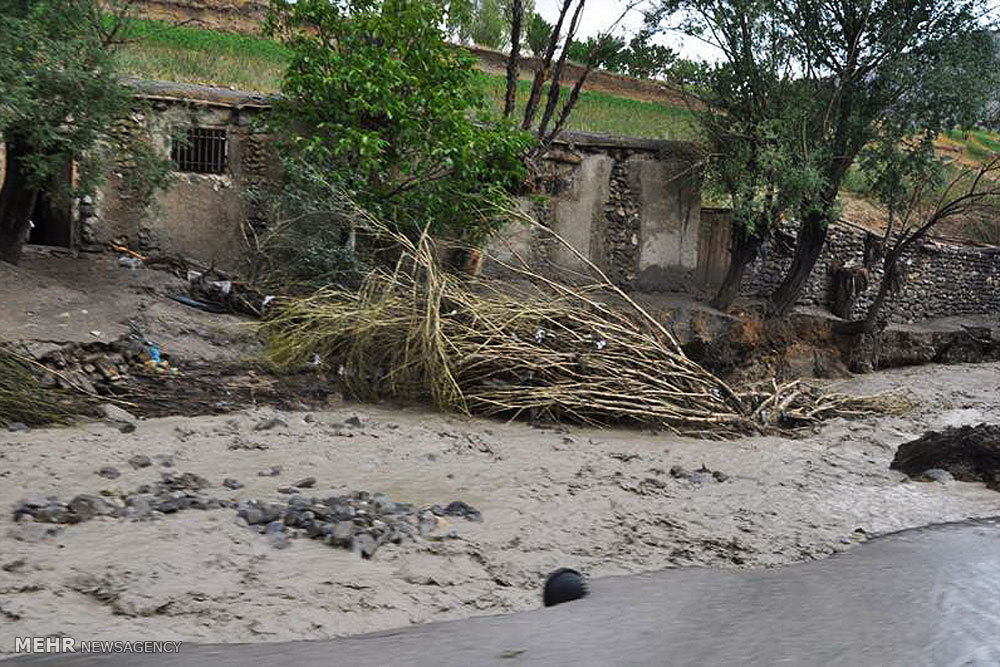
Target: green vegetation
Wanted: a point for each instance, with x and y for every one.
(62, 102)
(610, 114)
(157, 50)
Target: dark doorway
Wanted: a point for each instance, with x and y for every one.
(52, 218)
(53, 222)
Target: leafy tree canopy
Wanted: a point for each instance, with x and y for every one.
(378, 101)
(60, 100)
(872, 71)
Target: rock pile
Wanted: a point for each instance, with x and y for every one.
(361, 522)
(99, 368)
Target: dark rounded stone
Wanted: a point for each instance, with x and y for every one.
(563, 585)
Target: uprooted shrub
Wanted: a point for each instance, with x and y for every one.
(22, 397)
(538, 349)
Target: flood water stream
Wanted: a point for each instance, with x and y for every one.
(921, 597)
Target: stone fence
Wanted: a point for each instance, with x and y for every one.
(939, 279)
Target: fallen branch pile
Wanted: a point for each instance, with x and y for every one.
(541, 350)
(22, 397)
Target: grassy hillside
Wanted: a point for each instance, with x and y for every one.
(158, 50)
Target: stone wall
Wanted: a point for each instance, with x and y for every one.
(630, 206)
(198, 215)
(940, 279)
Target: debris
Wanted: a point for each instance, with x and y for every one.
(968, 454)
(269, 423)
(200, 305)
(543, 351)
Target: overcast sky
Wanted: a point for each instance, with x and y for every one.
(598, 15)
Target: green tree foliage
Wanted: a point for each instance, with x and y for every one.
(378, 102)
(60, 100)
(481, 22)
(537, 33)
(638, 57)
(878, 70)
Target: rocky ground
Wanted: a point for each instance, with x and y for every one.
(603, 501)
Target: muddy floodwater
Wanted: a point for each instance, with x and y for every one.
(922, 597)
(611, 502)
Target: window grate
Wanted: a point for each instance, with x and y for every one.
(201, 151)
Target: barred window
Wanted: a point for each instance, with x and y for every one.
(201, 151)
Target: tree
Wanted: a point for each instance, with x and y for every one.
(537, 33)
(646, 60)
(610, 52)
(514, 60)
(752, 110)
(483, 22)
(638, 57)
(59, 99)
(910, 181)
(551, 72)
(917, 65)
(388, 111)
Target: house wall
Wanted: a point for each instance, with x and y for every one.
(629, 206)
(200, 216)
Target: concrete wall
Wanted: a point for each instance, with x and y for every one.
(630, 206)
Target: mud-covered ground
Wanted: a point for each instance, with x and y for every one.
(602, 501)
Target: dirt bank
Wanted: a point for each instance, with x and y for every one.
(603, 501)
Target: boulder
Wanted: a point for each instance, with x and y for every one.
(969, 453)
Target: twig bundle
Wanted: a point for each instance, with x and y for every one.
(22, 398)
(542, 350)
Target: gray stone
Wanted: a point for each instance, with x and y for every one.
(231, 483)
(140, 461)
(342, 534)
(17, 427)
(364, 544)
(109, 472)
(307, 483)
(168, 506)
(274, 471)
(937, 475)
(269, 423)
(86, 506)
(117, 414)
(701, 477)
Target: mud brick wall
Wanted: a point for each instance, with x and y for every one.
(630, 206)
(940, 279)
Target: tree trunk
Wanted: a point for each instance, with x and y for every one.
(17, 201)
(812, 237)
(744, 249)
(889, 277)
(514, 61)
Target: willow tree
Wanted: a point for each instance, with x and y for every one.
(918, 65)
